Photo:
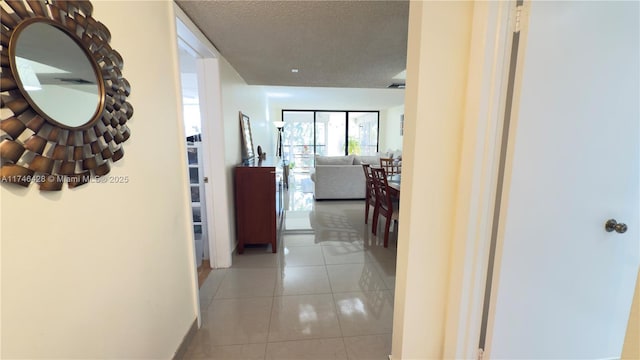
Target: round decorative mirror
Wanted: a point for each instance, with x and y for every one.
(63, 108)
(56, 74)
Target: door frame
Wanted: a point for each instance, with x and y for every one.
(213, 143)
(482, 142)
(458, 248)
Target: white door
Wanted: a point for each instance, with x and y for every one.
(195, 155)
(563, 286)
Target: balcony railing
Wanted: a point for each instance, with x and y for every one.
(301, 155)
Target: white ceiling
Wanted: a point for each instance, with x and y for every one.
(352, 44)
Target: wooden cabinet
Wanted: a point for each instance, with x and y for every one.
(258, 200)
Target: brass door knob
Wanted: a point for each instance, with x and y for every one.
(613, 225)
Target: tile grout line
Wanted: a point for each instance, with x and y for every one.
(273, 301)
(266, 340)
(335, 305)
(213, 296)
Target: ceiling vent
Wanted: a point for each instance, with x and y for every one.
(396, 86)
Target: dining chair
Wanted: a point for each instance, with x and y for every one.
(391, 166)
(370, 195)
(385, 204)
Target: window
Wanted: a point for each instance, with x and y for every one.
(329, 133)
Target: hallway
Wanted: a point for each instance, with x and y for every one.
(326, 294)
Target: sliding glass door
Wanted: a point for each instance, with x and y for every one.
(298, 139)
(363, 133)
(328, 133)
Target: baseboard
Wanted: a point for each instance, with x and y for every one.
(186, 340)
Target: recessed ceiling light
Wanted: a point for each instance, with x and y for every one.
(294, 70)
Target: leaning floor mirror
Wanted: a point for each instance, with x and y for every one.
(247, 140)
(64, 108)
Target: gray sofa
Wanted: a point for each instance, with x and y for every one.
(340, 177)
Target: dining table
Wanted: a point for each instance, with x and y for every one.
(393, 182)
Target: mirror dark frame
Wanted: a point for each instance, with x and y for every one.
(34, 148)
(247, 138)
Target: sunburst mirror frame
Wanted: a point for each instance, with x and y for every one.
(34, 149)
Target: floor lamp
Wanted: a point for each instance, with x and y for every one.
(280, 126)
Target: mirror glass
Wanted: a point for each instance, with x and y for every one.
(247, 140)
(56, 75)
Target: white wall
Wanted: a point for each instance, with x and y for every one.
(106, 270)
(390, 137)
(251, 100)
(238, 96)
(435, 94)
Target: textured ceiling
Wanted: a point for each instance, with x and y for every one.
(360, 44)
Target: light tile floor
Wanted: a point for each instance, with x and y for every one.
(326, 294)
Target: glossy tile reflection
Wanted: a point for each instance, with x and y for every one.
(355, 277)
(303, 280)
(303, 317)
(365, 313)
(326, 294)
(302, 255)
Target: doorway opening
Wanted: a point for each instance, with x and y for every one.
(195, 157)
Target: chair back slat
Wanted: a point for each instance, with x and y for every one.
(381, 187)
(391, 166)
(370, 191)
(384, 205)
